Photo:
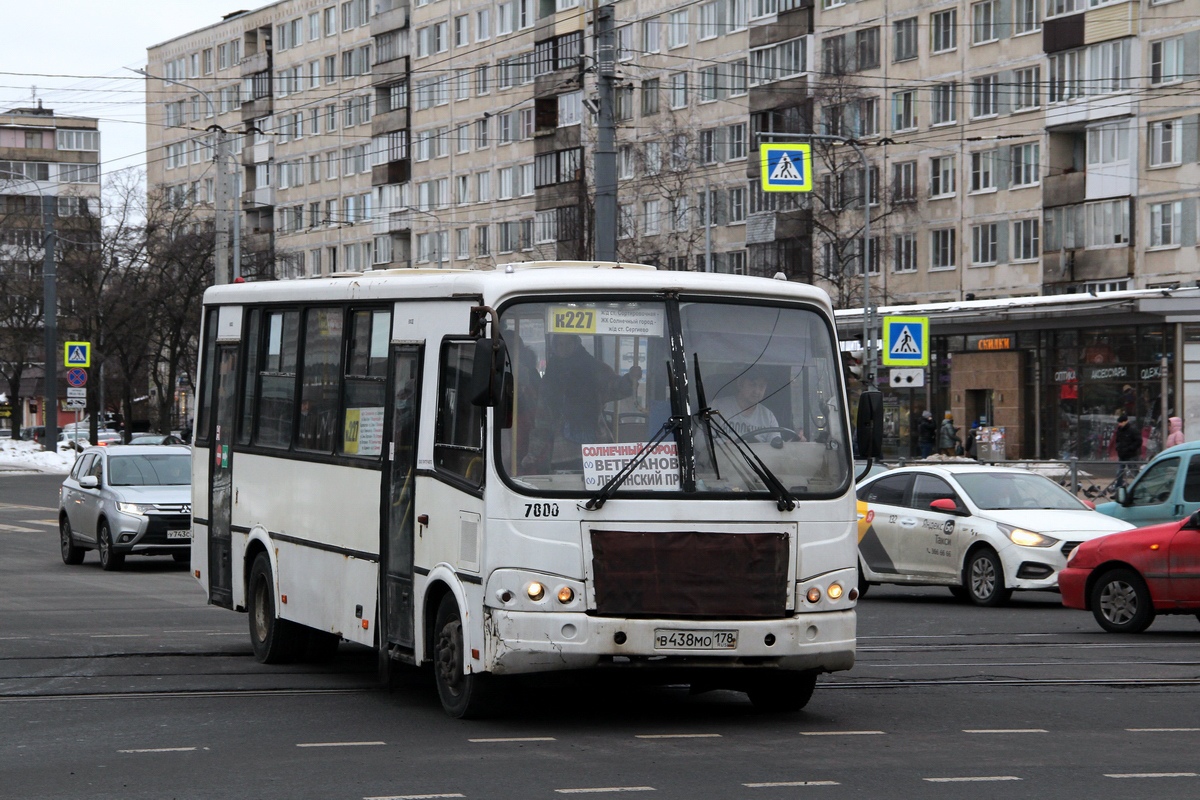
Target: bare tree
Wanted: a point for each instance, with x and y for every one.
(21, 291)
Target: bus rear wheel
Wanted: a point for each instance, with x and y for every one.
(782, 692)
(275, 640)
(463, 695)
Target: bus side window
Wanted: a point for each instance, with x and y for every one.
(458, 438)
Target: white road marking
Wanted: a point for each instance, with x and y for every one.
(604, 789)
(340, 744)
(977, 779)
(1007, 730)
(1152, 775)
(117, 635)
(774, 784)
(677, 736)
(413, 796)
(514, 739)
(841, 733)
(160, 750)
(49, 523)
(1162, 730)
(18, 529)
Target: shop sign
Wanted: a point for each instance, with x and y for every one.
(988, 342)
(1065, 376)
(1150, 373)
(1109, 373)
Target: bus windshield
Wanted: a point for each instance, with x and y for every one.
(744, 386)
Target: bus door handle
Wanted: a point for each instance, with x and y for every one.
(423, 521)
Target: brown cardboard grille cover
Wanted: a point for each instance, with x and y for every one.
(690, 574)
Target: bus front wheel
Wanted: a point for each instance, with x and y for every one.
(782, 692)
(275, 640)
(463, 695)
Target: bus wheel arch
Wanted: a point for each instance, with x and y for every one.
(464, 694)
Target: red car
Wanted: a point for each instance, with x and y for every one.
(1127, 578)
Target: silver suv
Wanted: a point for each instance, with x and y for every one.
(127, 500)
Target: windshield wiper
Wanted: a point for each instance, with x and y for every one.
(779, 493)
(704, 415)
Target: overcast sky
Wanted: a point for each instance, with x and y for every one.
(75, 52)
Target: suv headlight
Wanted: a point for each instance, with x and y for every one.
(138, 509)
(1027, 538)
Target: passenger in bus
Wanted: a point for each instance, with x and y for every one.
(744, 410)
(574, 389)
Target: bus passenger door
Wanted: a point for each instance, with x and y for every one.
(220, 539)
(396, 550)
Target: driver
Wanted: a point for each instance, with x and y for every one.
(744, 411)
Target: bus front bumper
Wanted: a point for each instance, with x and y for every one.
(526, 641)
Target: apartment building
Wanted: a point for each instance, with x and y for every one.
(42, 155)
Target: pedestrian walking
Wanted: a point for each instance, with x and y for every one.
(947, 439)
(1175, 434)
(926, 433)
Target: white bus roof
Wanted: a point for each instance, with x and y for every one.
(524, 278)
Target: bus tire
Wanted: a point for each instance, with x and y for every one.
(863, 584)
(463, 695)
(782, 692)
(275, 640)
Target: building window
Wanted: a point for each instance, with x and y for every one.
(1108, 66)
(652, 35)
(945, 103)
(709, 83)
(866, 47)
(679, 90)
(783, 60)
(983, 176)
(1025, 165)
(942, 247)
(984, 18)
(650, 89)
(677, 28)
(1026, 246)
(1066, 76)
(904, 252)
(1027, 94)
(1025, 16)
(570, 109)
(983, 244)
(904, 110)
(652, 216)
(904, 182)
(736, 77)
(736, 144)
(941, 176)
(736, 205)
(1055, 8)
(985, 96)
(905, 39)
(1166, 61)
(1166, 143)
(1107, 223)
(943, 30)
(1108, 144)
(1164, 223)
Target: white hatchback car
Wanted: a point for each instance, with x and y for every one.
(981, 531)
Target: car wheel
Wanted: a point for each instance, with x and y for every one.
(1121, 602)
(275, 640)
(983, 579)
(72, 554)
(782, 692)
(110, 559)
(463, 695)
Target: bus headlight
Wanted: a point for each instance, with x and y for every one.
(536, 591)
(565, 594)
(834, 591)
(814, 595)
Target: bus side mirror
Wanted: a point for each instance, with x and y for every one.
(870, 424)
(487, 372)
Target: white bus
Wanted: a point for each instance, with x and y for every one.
(548, 466)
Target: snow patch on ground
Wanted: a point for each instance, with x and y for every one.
(23, 455)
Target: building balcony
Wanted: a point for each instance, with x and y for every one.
(261, 197)
(258, 108)
(256, 62)
(389, 121)
(390, 15)
(391, 172)
(1065, 189)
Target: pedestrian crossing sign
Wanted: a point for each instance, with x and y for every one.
(786, 167)
(77, 354)
(906, 341)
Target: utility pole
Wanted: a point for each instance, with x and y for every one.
(50, 323)
(606, 151)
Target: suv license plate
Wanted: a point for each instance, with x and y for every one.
(672, 639)
(179, 534)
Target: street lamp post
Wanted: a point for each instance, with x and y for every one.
(222, 201)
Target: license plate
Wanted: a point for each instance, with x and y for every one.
(179, 534)
(670, 639)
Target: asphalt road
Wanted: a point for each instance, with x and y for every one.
(126, 685)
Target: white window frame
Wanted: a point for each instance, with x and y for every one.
(942, 177)
(985, 22)
(1026, 240)
(943, 31)
(1165, 137)
(984, 244)
(943, 244)
(983, 172)
(1165, 221)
